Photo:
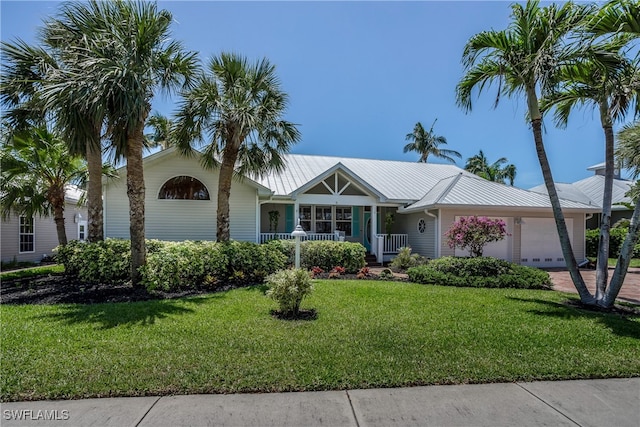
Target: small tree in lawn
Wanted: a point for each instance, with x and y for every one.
(473, 233)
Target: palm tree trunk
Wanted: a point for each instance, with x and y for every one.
(94, 190)
(624, 259)
(224, 191)
(602, 264)
(561, 226)
(136, 193)
(56, 198)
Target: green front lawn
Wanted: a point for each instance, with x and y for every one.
(32, 272)
(367, 334)
(635, 262)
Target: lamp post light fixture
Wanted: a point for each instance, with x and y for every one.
(297, 234)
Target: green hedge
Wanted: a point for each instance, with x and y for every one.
(173, 265)
(616, 240)
(480, 272)
(325, 254)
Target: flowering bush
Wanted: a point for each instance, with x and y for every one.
(474, 232)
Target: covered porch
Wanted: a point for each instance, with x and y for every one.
(334, 223)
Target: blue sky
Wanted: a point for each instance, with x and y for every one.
(361, 74)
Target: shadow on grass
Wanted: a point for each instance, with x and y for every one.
(619, 323)
(111, 315)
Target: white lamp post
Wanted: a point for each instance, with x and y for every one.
(297, 233)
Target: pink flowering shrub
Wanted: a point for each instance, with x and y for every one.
(474, 232)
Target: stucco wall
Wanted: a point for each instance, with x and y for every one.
(180, 219)
(578, 238)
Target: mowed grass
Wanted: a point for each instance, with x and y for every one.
(32, 272)
(367, 334)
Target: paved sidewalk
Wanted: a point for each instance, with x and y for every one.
(611, 402)
(630, 291)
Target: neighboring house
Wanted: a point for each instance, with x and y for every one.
(591, 190)
(32, 238)
(347, 197)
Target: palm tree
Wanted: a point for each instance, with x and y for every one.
(606, 80)
(495, 172)
(26, 70)
(127, 56)
(235, 109)
(426, 144)
(161, 136)
(523, 59)
(36, 167)
(615, 17)
(628, 155)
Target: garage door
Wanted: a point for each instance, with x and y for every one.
(502, 249)
(540, 245)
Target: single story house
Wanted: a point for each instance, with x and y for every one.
(33, 238)
(591, 190)
(382, 204)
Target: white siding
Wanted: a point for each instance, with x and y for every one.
(421, 243)
(45, 238)
(180, 219)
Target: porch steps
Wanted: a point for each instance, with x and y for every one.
(371, 260)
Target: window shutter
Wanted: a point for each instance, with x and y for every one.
(289, 222)
(355, 221)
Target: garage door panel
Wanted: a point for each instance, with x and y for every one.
(540, 244)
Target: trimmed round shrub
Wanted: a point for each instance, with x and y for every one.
(325, 254)
(108, 261)
(288, 288)
(483, 272)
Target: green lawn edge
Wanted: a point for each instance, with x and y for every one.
(367, 334)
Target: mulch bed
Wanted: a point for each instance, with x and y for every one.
(60, 289)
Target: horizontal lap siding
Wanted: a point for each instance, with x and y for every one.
(181, 219)
(46, 235)
(425, 243)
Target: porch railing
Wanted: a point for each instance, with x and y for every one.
(265, 237)
(389, 244)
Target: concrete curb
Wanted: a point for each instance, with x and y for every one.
(610, 402)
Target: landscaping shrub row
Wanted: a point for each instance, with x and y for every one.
(325, 254)
(484, 272)
(181, 265)
(616, 240)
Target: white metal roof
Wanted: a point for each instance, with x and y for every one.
(396, 180)
(471, 190)
(592, 189)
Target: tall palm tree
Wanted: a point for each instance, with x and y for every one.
(26, 70)
(427, 143)
(127, 56)
(523, 59)
(161, 136)
(606, 80)
(495, 172)
(236, 109)
(36, 167)
(628, 155)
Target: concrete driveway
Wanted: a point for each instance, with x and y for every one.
(630, 291)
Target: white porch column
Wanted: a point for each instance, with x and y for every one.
(374, 229)
(296, 212)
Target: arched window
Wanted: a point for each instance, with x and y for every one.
(184, 188)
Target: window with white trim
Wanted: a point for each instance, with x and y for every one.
(343, 219)
(26, 238)
(324, 219)
(422, 226)
(305, 217)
